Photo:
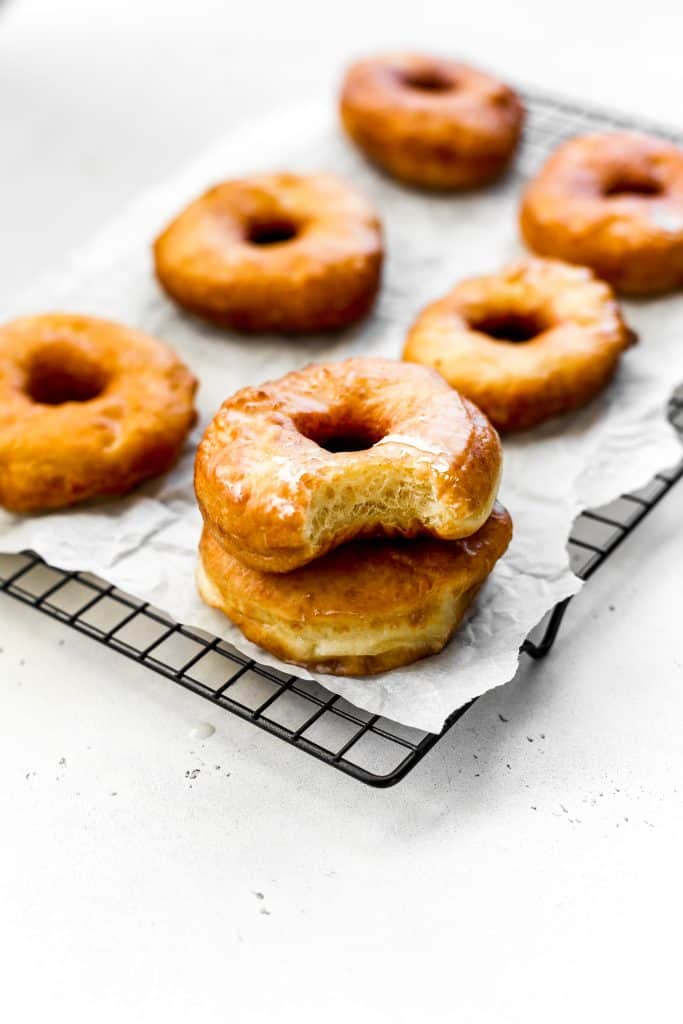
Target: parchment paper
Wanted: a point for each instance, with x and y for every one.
(146, 543)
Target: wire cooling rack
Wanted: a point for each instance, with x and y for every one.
(368, 747)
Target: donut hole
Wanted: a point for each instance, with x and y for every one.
(345, 437)
(348, 443)
(631, 185)
(511, 326)
(272, 231)
(60, 373)
(428, 80)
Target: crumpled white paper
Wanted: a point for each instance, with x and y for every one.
(146, 543)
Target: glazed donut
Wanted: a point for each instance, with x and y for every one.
(538, 339)
(87, 408)
(431, 122)
(277, 252)
(364, 608)
(614, 203)
(290, 470)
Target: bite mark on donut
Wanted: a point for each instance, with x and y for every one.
(406, 502)
(411, 506)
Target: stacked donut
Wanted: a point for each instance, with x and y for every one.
(349, 513)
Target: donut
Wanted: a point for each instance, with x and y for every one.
(613, 202)
(88, 408)
(538, 339)
(363, 608)
(275, 252)
(290, 470)
(431, 122)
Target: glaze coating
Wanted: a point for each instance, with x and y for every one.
(87, 408)
(431, 122)
(613, 202)
(409, 456)
(476, 338)
(364, 608)
(274, 252)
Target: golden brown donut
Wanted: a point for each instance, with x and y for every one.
(366, 607)
(87, 408)
(538, 339)
(614, 203)
(289, 470)
(431, 122)
(275, 252)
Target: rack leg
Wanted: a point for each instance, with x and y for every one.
(540, 649)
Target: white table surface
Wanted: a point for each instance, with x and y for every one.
(529, 869)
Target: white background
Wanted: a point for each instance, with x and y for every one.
(529, 869)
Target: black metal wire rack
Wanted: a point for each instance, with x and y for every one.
(368, 747)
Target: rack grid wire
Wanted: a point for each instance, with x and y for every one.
(367, 747)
